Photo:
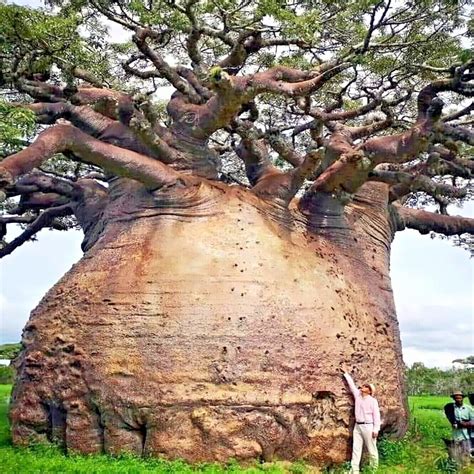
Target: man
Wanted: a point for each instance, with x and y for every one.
(461, 418)
(367, 424)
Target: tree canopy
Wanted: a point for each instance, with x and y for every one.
(293, 99)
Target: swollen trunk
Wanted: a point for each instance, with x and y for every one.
(206, 324)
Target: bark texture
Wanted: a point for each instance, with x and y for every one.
(207, 324)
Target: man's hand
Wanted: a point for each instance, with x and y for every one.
(343, 370)
(374, 434)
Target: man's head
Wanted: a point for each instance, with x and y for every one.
(367, 389)
(457, 396)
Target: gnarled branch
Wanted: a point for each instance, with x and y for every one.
(119, 161)
(425, 222)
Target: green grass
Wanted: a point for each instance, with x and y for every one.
(420, 452)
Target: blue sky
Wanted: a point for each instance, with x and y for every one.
(432, 281)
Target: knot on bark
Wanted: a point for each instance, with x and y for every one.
(218, 78)
(435, 108)
(6, 179)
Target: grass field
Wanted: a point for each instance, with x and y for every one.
(420, 452)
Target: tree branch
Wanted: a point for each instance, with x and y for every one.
(456, 133)
(405, 183)
(43, 220)
(234, 91)
(253, 151)
(166, 71)
(425, 222)
(60, 138)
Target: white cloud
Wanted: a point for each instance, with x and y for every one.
(435, 358)
(432, 282)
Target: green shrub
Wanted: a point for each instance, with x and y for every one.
(447, 465)
(9, 351)
(7, 374)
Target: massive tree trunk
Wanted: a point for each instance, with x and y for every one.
(205, 323)
(208, 321)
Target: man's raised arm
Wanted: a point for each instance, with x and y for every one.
(352, 385)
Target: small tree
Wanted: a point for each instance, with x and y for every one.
(237, 234)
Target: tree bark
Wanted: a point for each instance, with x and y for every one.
(207, 324)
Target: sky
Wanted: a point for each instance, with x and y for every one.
(433, 284)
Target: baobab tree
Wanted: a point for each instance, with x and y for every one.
(237, 230)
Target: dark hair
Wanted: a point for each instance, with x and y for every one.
(368, 386)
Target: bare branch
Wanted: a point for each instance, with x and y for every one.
(284, 150)
(425, 222)
(254, 153)
(119, 161)
(233, 92)
(44, 220)
(458, 114)
(405, 183)
(166, 71)
(455, 133)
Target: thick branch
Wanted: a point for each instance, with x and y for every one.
(82, 117)
(233, 92)
(41, 90)
(284, 150)
(41, 182)
(119, 161)
(458, 114)
(253, 151)
(166, 71)
(425, 222)
(353, 163)
(458, 83)
(405, 146)
(99, 126)
(456, 133)
(404, 183)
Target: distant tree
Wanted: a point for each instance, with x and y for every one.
(7, 374)
(237, 231)
(422, 380)
(9, 351)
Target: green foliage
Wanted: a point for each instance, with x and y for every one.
(32, 41)
(446, 465)
(395, 452)
(7, 374)
(9, 351)
(17, 124)
(434, 381)
(215, 74)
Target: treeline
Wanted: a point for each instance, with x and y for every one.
(422, 380)
(9, 351)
